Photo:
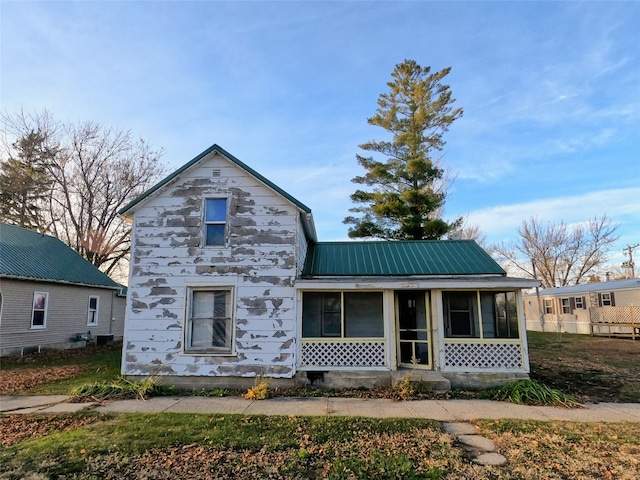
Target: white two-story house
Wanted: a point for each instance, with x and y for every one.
(228, 282)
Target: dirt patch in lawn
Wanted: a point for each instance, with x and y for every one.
(594, 369)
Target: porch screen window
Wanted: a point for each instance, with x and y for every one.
(461, 315)
(39, 311)
(209, 326)
(215, 219)
(342, 314)
(481, 314)
(92, 315)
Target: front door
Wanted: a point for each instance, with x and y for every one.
(412, 321)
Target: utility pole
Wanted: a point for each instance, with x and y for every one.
(629, 264)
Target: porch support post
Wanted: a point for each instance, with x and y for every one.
(391, 334)
(522, 328)
(437, 329)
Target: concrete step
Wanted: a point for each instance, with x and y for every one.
(431, 381)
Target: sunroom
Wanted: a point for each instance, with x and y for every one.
(441, 306)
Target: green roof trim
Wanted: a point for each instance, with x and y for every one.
(398, 258)
(29, 255)
(231, 158)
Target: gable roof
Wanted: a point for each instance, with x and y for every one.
(29, 255)
(214, 148)
(397, 258)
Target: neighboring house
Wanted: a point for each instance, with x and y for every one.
(611, 307)
(228, 282)
(51, 297)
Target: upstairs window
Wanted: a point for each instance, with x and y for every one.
(215, 219)
(39, 312)
(92, 315)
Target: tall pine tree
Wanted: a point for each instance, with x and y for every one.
(406, 199)
(25, 183)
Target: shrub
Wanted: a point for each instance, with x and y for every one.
(259, 391)
(121, 388)
(530, 392)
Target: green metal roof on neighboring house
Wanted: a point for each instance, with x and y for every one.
(30, 255)
(386, 258)
(231, 158)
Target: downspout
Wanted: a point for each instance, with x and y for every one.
(111, 319)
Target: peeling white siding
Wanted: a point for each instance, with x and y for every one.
(262, 257)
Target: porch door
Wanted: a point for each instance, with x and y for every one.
(414, 339)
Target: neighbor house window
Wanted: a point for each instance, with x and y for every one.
(92, 315)
(548, 306)
(342, 315)
(480, 314)
(566, 305)
(579, 302)
(39, 313)
(605, 300)
(215, 219)
(209, 327)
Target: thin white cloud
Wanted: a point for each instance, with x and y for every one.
(621, 205)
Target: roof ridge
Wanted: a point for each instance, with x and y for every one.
(213, 148)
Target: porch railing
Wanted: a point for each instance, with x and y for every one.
(615, 321)
(343, 353)
(480, 355)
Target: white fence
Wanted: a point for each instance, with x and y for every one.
(616, 321)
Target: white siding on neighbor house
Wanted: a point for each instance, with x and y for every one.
(67, 314)
(579, 321)
(259, 260)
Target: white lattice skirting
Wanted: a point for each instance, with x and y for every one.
(343, 354)
(483, 356)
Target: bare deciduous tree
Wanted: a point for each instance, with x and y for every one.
(558, 254)
(95, 172)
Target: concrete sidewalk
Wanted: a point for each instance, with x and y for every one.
(441, 410)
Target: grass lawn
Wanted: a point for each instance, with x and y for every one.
(594, 369)
(58, 371)
(190, 446)
(187, 446)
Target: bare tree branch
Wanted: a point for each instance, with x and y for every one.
(558, 254)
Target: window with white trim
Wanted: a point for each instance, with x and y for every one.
(606, 300)
(566, 305)
(209, 326)
(579, 302)
(480, 314)
(548, 306)
(215, 219)
(92, 314)
(342, 315)
(39, 310)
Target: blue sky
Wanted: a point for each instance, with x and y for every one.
(550, 91)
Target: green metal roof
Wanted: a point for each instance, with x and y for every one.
(30, 255)
(231, 158)
(386, 258)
